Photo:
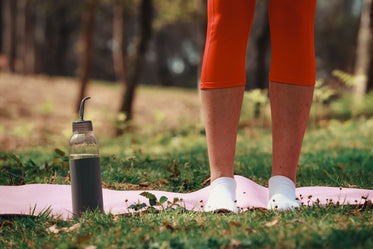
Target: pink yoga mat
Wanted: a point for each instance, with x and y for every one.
(33, 199)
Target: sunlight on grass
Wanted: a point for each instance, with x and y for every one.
(337, 151)
(23, 129)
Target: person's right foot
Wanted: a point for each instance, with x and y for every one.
(222, 196)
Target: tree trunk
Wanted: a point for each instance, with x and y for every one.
(55, 24)
(362, 51)
(163, 70)
(370, 70)
(1, 27)
(30, 46)
(86, 53)
(262, 44)
(137, 60)
(40, 37)
(201, 46)
(9, 33)
(21, 35)
(202, 36)
(119, 54)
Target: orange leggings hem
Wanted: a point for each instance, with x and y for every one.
(213, 85)
(303, 82)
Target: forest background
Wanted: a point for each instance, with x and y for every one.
(125, 43)
(140, 62)
(47, 37)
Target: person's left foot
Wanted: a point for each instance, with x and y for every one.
(281, 194)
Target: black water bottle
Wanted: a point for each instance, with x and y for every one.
(85, 170)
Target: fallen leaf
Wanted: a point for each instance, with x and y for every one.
(234, 243)
(163, 181)
(6, 223)
(168, 226)
(272, 222)
(90, 247)
(234, 223)
(73, 228)
(144, 184)
(250, 230)
(357, 213)
(30, 243)
(162, 229)
(53, 229)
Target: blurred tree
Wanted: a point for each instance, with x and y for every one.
(136, 59)
(20, 35)
(25, 45)
(120, 19)
(163, 49)
(363, 54)
(88, 17)
(40, 36)
(176, 11)
(201, 35)
(262, 46)
(56, 32)
(336, 28)
(9, 33)
(370, 70)
(30, 45)
(1, 25)
(180, 28)
(36, 35)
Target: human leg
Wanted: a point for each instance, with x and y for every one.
(292, 78)
(290, 106)
(221, 113)
(222, 84)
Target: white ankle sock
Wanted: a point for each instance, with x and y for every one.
(281, 194)
(222, 195)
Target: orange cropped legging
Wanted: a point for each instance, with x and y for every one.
(292, 39)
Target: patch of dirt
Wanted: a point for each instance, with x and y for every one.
(39, 110)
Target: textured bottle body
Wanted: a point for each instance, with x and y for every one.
(86, 188)
(85, 173)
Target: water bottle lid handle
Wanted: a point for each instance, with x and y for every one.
(82, 125)
(82, 108)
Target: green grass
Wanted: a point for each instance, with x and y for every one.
(316, 227)
(339, 154)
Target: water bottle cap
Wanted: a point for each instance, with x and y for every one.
(82, 125)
